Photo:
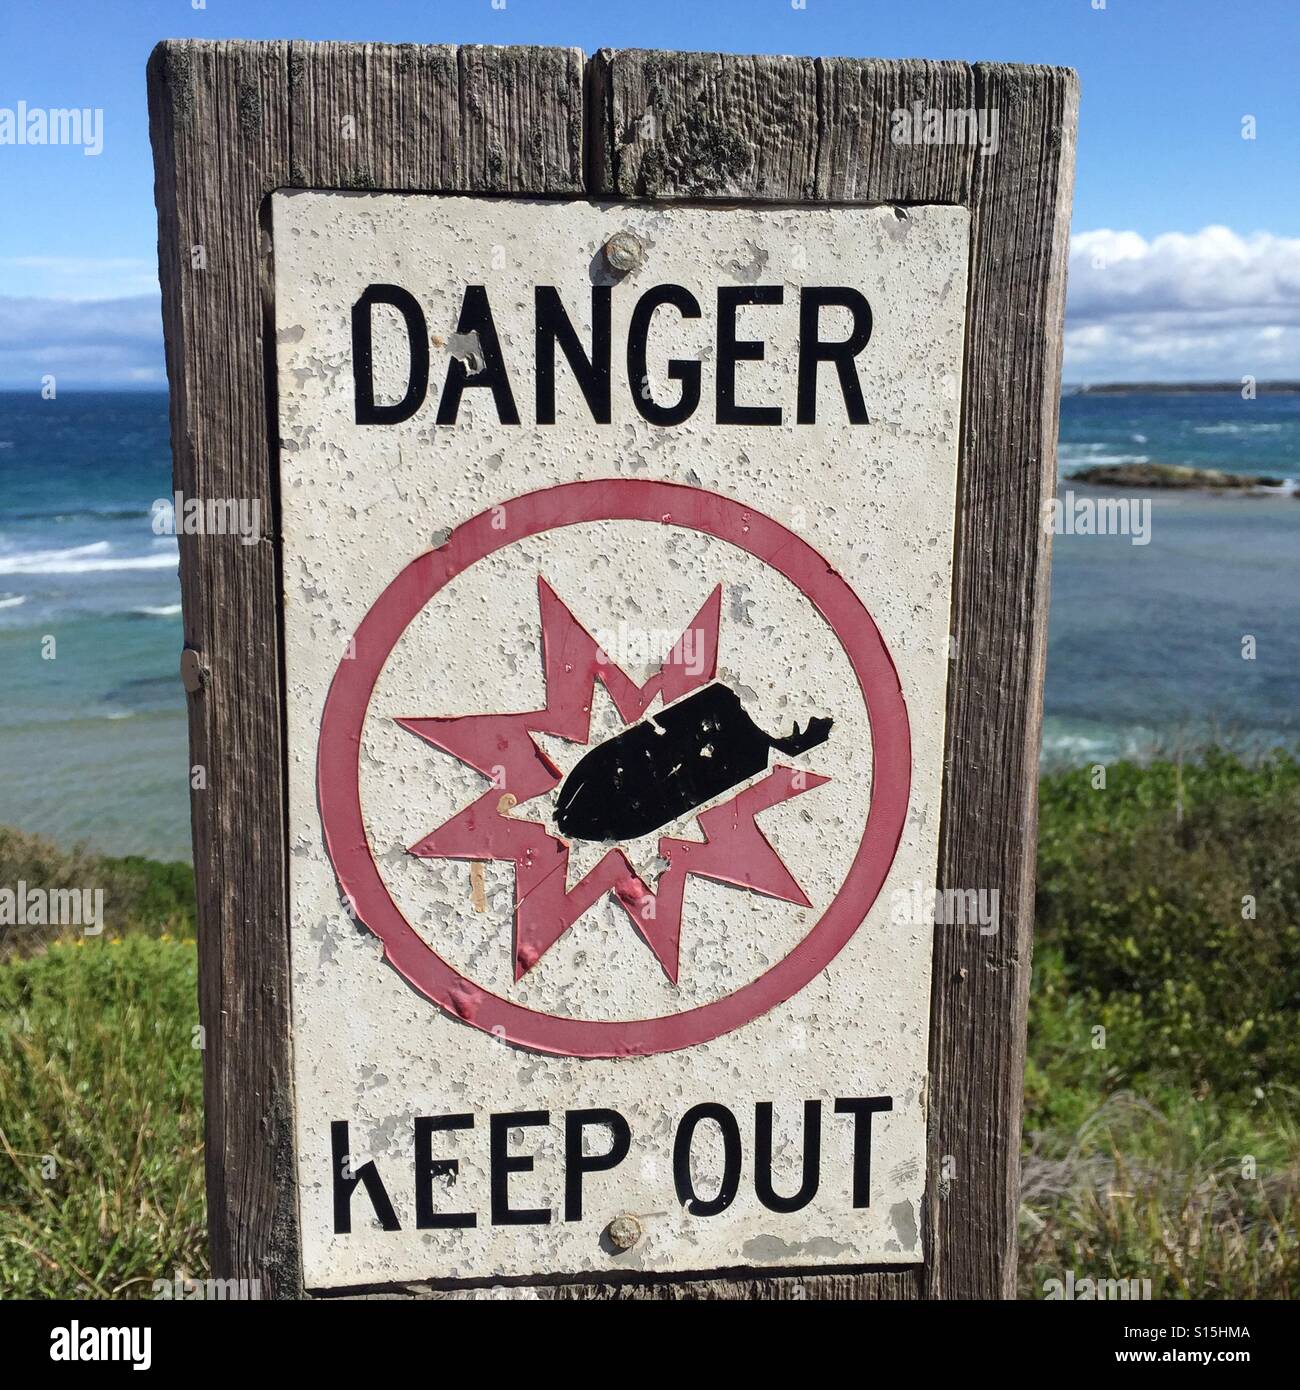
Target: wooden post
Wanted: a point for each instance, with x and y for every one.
(233, 122)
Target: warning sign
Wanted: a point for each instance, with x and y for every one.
(617, 549)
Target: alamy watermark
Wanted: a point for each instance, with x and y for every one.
(947, 125)
(1069, 515)
(37, 125)
(945, 907)
(22, 906)
(73, 1342)
(181, 1288)
(630, 647)
(179, 515)
(1074, 1290)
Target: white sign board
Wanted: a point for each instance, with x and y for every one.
(616, 610)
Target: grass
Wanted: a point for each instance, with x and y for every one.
(1162, 1119)
(1202, 1202)
(101, 1133)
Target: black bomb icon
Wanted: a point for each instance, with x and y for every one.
(670, 764)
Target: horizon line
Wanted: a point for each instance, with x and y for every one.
(1215, 384)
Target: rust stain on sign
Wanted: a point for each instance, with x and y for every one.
(477, 890)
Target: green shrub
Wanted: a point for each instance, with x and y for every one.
(140, 895)
(1162, 1127)
(1169, 907)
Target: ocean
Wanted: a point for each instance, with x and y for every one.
(1146, 650)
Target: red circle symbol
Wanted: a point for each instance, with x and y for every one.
(338, 763)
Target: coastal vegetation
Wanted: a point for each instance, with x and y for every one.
(1162, 1116)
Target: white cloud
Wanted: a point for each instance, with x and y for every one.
(1212, 305)
(83, 343)
(77, 277)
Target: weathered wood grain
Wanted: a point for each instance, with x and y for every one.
(706, 125)
(231, 122)
(219, 122)
(858, 157)
(521, 126)
(374, 115)
(434, 118)
(1020, 206)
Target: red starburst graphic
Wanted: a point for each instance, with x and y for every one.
(501, 748)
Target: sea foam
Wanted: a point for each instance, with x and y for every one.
(85, 559)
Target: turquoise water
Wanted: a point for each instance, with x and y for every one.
(1144, 651)
(92, 741)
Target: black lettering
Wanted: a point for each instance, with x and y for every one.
(363, 376)
(862, 1111)
(812, 350)
(730, 1184)
(429, 1169)
(345, 1183)
(476, 317)
(679, 369)
(812, 1157)
(550, 326)
(730, 297)
(503, 1163)
(576, 1163)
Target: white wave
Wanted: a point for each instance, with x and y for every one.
(1075, 743)
(85, 559)
(12, 600)
(1106, 458)
(1076, 451)
(1259, 427)
(162, 610)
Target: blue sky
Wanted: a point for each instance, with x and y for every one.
(1187, 252)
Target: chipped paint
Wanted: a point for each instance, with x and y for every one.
(377, 1044)
(467, 348)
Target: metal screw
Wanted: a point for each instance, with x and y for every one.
(624, 252)
(624, 1231)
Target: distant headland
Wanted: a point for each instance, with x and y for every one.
(1177, 388)
(1145, 476)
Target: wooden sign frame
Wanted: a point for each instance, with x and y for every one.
(231, 122)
